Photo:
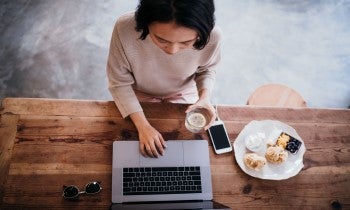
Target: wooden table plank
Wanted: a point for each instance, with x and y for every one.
(8, 126)
(88, 108)
(59, 107)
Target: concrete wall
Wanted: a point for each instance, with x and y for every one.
(59, 48)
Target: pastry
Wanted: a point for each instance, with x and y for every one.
(254, 161)
(282, 140)
(288, 143)
(276, 154)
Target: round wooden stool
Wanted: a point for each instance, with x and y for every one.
(276, 95)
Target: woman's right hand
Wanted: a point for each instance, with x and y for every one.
(152, 143)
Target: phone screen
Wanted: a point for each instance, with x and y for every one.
(219, 136)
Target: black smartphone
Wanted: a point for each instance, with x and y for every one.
(219, 138)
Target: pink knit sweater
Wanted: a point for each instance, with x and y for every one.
(135, 64)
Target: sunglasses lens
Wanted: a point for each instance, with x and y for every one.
(93, 187)
(70, 192)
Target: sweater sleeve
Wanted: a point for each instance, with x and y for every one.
(205, 75)
(120, 78)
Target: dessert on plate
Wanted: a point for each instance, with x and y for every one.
(255, 142)
(276, 154)
(254, 161)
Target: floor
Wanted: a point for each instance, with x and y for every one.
(58, 49)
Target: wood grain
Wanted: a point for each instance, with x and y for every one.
(8, 125)
(49, 143)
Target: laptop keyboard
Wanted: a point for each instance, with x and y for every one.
(161, 180)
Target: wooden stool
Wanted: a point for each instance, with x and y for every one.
(276, 95)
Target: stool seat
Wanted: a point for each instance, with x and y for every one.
(276, 95)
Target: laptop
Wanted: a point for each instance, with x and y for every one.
(180, 179)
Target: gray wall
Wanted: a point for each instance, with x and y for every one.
(59, 48)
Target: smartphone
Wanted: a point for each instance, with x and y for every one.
(219, 137)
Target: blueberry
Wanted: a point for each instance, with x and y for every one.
(293, 145)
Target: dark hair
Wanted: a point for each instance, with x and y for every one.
(195, 14)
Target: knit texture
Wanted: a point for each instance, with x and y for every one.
(141, 65)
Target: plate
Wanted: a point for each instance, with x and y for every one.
(270, 171)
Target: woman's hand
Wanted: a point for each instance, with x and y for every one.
(204, 102)
(152, 143)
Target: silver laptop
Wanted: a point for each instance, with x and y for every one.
(181, 174)
(207, 205)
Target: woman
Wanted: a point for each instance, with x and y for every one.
(166, 51)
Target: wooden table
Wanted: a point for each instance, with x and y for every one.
(47, 143)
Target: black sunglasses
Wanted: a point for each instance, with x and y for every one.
(73, 191)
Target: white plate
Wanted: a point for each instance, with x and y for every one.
(285, 170)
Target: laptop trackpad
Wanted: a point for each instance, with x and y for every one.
(173, 156)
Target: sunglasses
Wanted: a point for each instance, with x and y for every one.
(73, 191)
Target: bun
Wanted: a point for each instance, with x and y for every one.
(276, 154)
(254, 161)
